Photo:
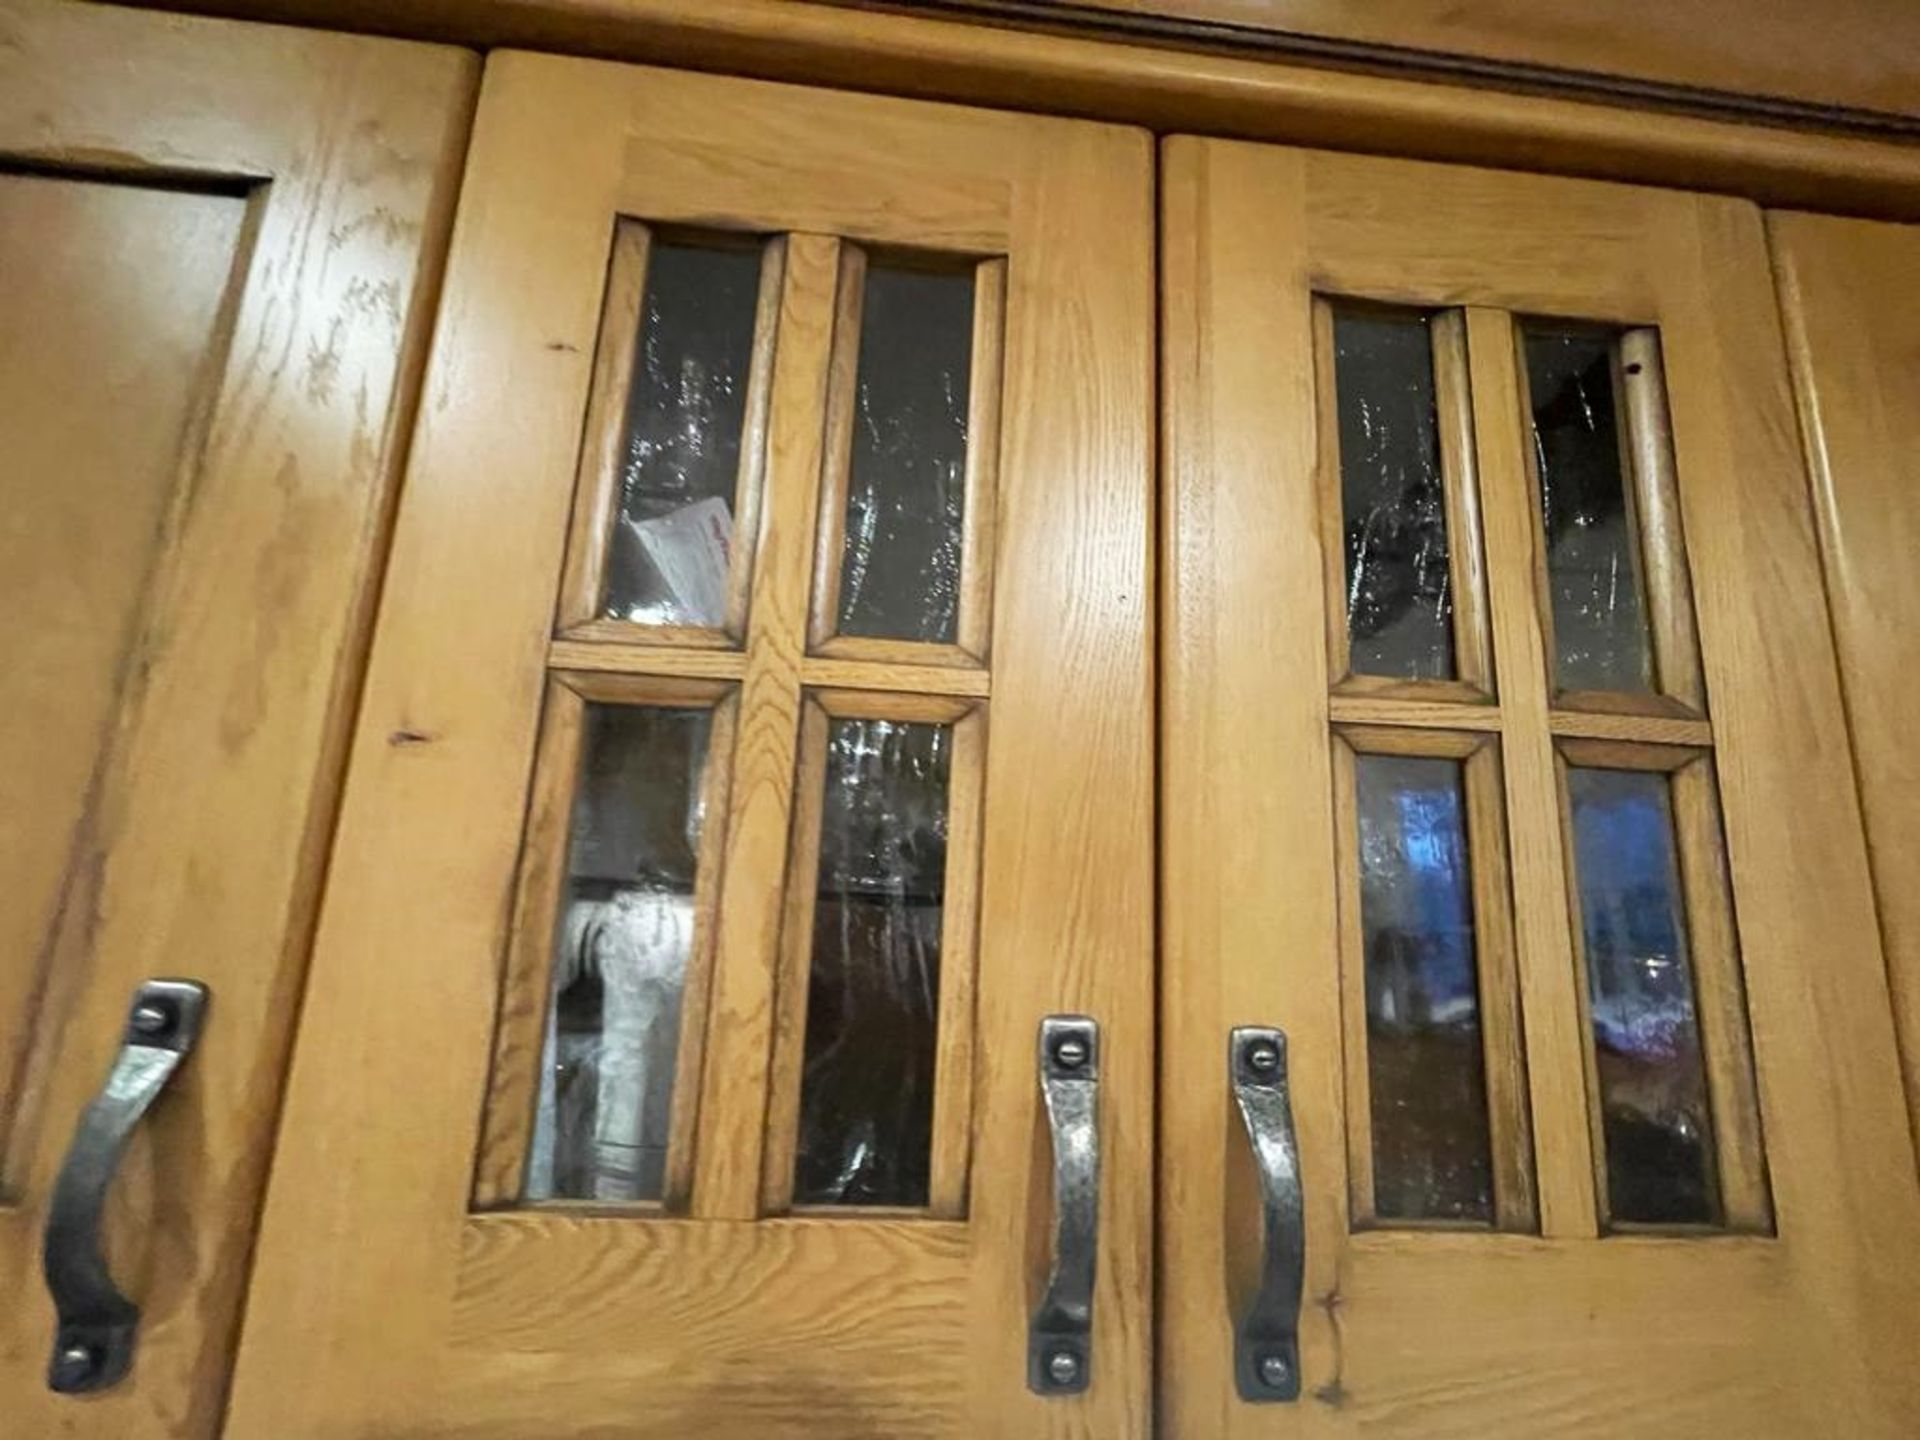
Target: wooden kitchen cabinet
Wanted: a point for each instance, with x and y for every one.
(994, 776)
(217, 253)
(755, 750)
(1494, 637)
(1851, 304)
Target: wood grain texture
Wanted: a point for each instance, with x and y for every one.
(546, 1302)
(1823, 1037)
(1509, 1101)
(476, 555)
(979, 520)
(1856, 53)
(1466, 549)
(816, 672)
(114, 298)
(786, 1070)
(836, 457)
(1640, 729)
(1720, 997)
(1853, 336)
(213, 790)
(1391, 710)
(381, 1125)
(1551, 998)
(1248, 929)
(950, 1165)
(603, 438)
(1429, 1333)
(526, 973)
(1639, 378)
(733, 1096)
(1170, 89)
(1356, 1055)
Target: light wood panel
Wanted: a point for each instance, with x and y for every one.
(1168, 89)
(1428, 1333)
(113, 297)
(1247, 928)
(383, 1124)
(542, 1296)
(1556, 1039)
(1653, 481)
(258, 213)
(1857, 53)
(1852, 311)
(815, 672)
(734, 1087)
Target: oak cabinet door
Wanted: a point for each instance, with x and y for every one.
(1852, 311)
(755, 749)
(212, 245)
(1505, 770)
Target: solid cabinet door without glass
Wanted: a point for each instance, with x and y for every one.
(755, 752)
(1496, 652)
(200, 414)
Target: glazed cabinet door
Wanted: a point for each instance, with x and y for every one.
(214, 242)
(1506, 774)
(755, 752)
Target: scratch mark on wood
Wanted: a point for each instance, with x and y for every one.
(1333, 1393)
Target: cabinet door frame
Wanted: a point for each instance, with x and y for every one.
(1250, 233)
(474, 1331)
(200, 849)
(1853, 322)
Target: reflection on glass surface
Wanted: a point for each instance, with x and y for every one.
(1653, 1084)
(620, 957)
(1599, 621)
(866, 1093)
(906, 484)
(672, 541)
(1393, 495)
(1432, 1150)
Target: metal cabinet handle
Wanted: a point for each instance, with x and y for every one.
(1059, 1348)
(1266, 1342)
(93, 1345)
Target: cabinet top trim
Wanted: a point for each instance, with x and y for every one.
(1163, 89)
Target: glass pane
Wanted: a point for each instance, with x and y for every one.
(1393, 496)
(1653, 1085)
(1432, 1152)
(906, 482)
(1599, 622)
(620, 957)
(672, 542)
(866, 1093)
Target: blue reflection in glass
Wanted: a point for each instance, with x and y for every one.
(1427, 1074)
(1653, 1085)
